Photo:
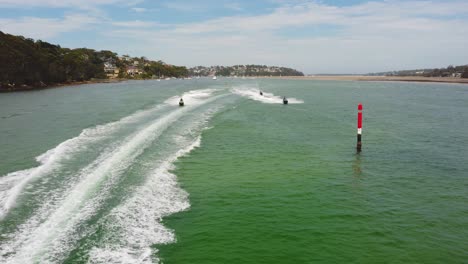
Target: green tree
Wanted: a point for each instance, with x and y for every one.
(465, 73)
(29, 62)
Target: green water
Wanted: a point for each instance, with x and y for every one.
(234, 177)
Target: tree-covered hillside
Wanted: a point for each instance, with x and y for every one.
(38, 63)
(26, 63)
(450, 71)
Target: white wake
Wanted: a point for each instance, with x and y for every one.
(267, 98)
(12, 184)
(50, 233)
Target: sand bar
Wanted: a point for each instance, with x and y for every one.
(375, 78)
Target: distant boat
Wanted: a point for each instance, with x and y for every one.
(285, 101)
(214, 78)
(167, 79)
(158, 80)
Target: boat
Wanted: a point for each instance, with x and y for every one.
(285, 101)
(181, 102)
(214, 78)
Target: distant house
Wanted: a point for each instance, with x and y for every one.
(446, 74)
(111, 70)
(132, 71)
(125, 58)
(457, 74)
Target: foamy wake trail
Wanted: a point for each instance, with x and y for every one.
(12, 184)
(135, 226)
(49, 235)
(191, 96)
(267, 98)
(131, 229)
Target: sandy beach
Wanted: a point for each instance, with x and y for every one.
(375, 78)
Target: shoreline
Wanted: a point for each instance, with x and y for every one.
(28, 88)
(364, 78)
(358, 78)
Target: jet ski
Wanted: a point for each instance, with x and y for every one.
(285, 101)
(181, 102)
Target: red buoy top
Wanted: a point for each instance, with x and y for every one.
(359, 121)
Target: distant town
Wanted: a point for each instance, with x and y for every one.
(450, 71)
(244, 70)
(30, 64)
(142, 68)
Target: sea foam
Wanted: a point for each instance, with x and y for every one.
(12, 184)
(267, 98)
(133, 227)
(51, 232)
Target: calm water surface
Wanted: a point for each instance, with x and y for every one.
(118, 173)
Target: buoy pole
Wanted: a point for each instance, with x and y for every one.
(359, 128)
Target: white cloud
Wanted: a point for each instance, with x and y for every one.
(134, 24)
(182, 6)
(33, 27)
(370, 37)
(388, 14)
(373, 36)
(233, 6)
(139, 9)
(81, 4)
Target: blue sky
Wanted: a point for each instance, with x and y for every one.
(328, 36)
